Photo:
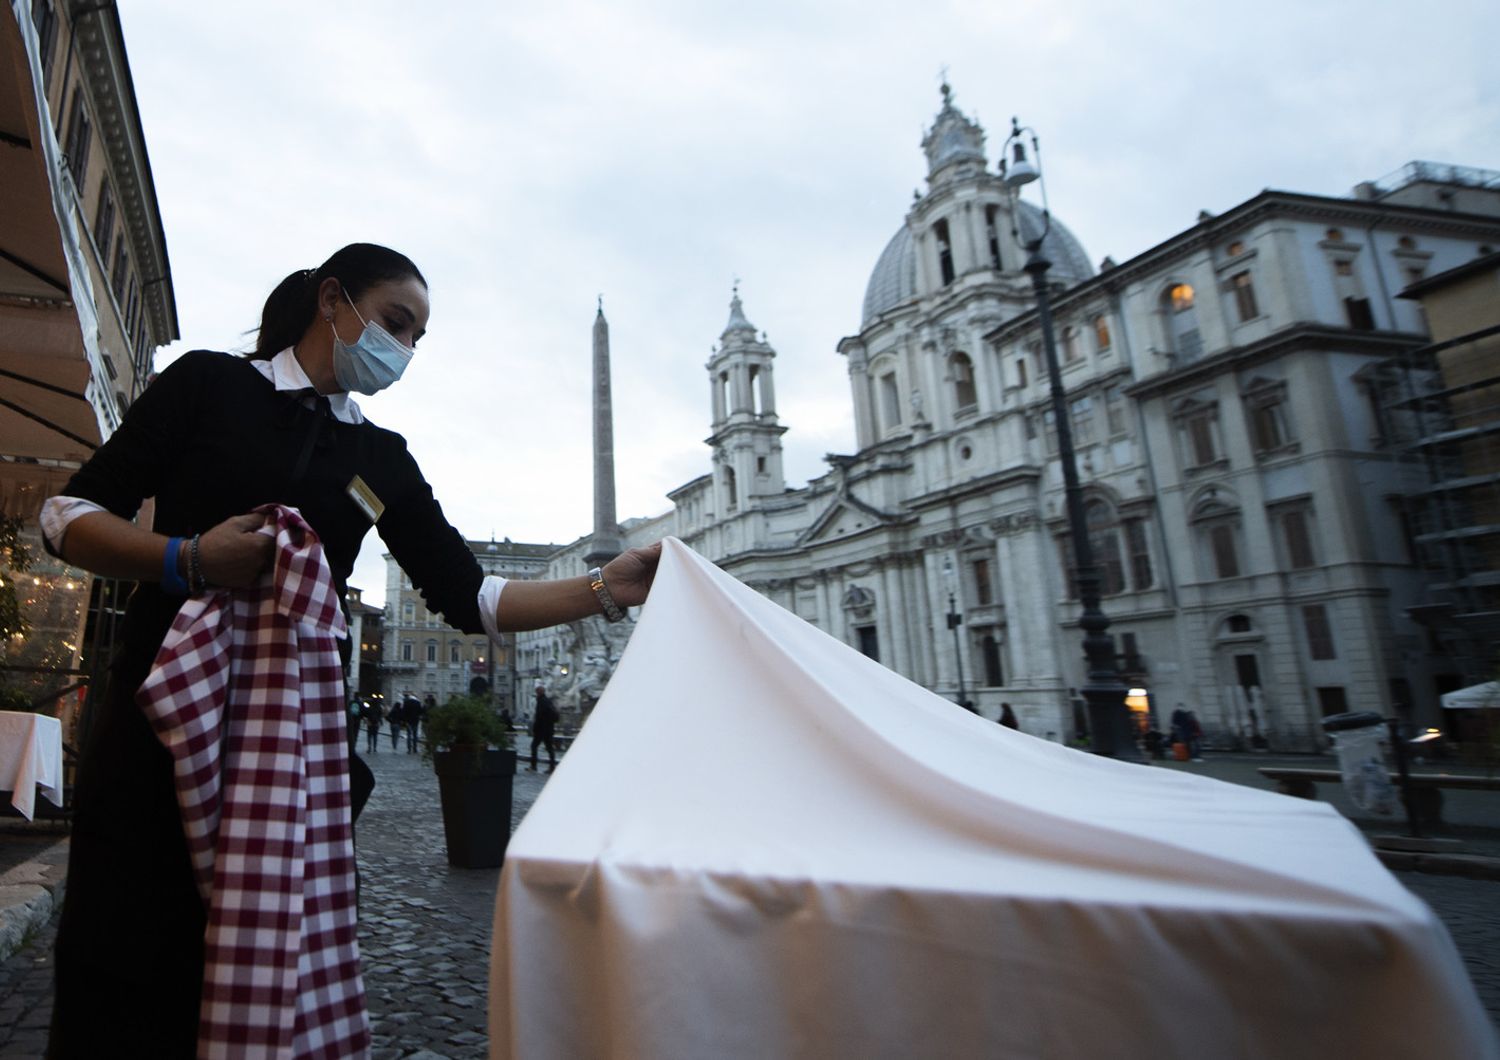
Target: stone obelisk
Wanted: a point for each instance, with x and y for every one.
(605, 544)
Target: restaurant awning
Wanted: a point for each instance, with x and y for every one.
(55, 400)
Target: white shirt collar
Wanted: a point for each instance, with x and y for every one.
(286, 374)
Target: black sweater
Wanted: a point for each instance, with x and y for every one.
(211, 438)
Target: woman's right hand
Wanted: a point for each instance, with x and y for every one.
(235, 553)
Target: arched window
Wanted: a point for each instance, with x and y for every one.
(1070, 350)
(945, 251)
(1217, 524)
(1178, 304)
(1101, 333)
(1104, 540)
(965, 394)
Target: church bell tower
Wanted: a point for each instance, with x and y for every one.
(746, 438)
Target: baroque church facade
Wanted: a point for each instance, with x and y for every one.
(1245, 484)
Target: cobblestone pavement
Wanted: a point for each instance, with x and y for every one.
(425, 926)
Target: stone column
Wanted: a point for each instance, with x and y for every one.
(606, 543)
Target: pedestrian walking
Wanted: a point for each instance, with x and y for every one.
(543, 725)
(416, 714)
(145, 938)
(373, 715)
(1008, 717)
(397, 718)
(1194, 736)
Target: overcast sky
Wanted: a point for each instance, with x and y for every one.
(532, 156)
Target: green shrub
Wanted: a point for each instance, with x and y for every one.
(464, 721)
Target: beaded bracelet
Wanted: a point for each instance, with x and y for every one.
(197, 583)
(171, 580)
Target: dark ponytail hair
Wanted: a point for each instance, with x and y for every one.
(292, 306)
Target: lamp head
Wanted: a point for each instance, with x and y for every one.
(1020, 170)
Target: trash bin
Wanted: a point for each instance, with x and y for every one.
(1356, 738)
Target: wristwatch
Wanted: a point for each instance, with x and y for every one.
(612, 610)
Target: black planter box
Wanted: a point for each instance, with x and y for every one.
(475, 787)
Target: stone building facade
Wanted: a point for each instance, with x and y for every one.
(1444, 408)
(422, 654)
(86, 299)
(1243, 482)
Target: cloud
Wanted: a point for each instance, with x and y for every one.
(530, 157)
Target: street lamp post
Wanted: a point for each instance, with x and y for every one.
(954, 621)
(1109, 718)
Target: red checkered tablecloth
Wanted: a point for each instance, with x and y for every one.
(247, 694)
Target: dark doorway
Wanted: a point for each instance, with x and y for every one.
(1247, 670)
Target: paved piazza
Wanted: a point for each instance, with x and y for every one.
(425, 927)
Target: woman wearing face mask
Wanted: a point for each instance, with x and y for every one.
(212, 439)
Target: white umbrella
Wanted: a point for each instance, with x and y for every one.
(1475, 697)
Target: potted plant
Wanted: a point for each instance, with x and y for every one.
(471, 753)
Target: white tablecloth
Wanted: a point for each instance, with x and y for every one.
(30, 758)
(764, 844)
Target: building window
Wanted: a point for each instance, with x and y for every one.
(989, 650)
(1114, 411)
(869, 642)
(1222, 546)
(1361, 317)
(890, 402)
(1319, 632)
(1138, 545)
(965, 397)
(1180, 310)
(1101, 333)
(1332, 701)
(1235, 249)
(406, 649)
(104, 222)
(119, 273)
(984, 587)
(1244, 296)
(992, 233)
(1266, 415)
(1104, 542)
(945, 251)
(408, 612)
(731, 489)
(1020, 371)
(1082, 420)
(453, 651)
(1071, 354)
(132, 305)
(76, 150)
(1198, 431)
(1049, 431)
(1070, 572)
(1294, 530)
(432, 651)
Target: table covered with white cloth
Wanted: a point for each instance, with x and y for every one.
(30, 759)
(764, 844)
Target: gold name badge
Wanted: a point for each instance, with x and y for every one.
(364, 497)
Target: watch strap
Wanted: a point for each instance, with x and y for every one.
(612, 610)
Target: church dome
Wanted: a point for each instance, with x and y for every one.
(894, 280)
(895, 277)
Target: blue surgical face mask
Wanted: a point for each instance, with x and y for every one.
(374, 362)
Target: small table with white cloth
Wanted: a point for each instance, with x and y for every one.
(30, 759)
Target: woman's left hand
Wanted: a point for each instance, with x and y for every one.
(629, 575)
